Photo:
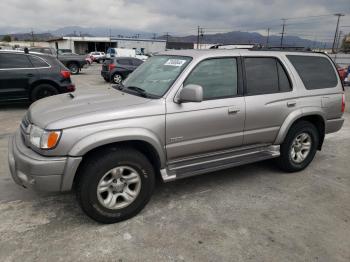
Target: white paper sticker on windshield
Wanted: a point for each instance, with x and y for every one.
(175, 62)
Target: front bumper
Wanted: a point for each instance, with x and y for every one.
(41, 173)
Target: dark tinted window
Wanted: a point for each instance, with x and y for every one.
(283, 80)
(262, 76)
(265, 76)
(315, 72)
(14, 61)
(136, 62)
(218, 77)
(124, 61)
(38, 62)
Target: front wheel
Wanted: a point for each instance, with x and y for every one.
(299, 147)
(115, 185)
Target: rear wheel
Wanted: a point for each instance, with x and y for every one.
(41, 91)
(115, 185)
(74, 68)
(299, 147)
(117, 78)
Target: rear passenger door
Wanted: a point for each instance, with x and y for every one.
(16, 75)
(269, 99)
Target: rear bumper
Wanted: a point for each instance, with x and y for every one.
(105, 74)
(334, 125)
(41, 173)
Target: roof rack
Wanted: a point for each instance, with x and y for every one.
(281, 48)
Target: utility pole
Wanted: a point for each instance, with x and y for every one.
(32, 33)
(167, 37)
(336, 31)
(283, 32)
(198, 37)
(268, 36)
(202, 35)
(154, 35)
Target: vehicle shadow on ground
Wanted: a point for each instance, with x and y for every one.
(164, 193)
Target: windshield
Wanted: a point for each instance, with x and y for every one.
(157, 74)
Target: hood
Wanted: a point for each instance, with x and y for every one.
(74, 109)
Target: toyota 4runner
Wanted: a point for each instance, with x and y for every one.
(179, 114)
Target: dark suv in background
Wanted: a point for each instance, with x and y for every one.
(32, 76)
(116, 69)
(73, 62)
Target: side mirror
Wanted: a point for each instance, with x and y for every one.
(191, 93)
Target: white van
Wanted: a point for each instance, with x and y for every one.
(124, 52)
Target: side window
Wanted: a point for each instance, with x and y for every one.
(14, 61)
(316, 72)
(265, 75)
(283, 80)
(218, 77)
(38, 62)
(124, 61)
(136, 62)
(261, 75)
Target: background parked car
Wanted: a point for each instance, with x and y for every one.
(115, 70)
(125, 52)
(342, 72)
(32, 76)
(98, 57)
(73, 62)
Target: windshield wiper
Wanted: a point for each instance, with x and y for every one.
(118, 86)
(138, 90)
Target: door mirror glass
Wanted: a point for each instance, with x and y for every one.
(191, 93)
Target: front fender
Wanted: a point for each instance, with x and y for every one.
(118, 135)
(294, 116)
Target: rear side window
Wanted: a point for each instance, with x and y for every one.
(124, 61)
(38, 62)
(315, 72)
(265, 75)
(136, 62)
(218, 77)
(14, 61)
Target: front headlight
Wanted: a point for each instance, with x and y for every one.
(44, 139)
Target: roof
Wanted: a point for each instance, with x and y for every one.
(201, 53)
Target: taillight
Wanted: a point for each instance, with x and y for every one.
(111, 66)
(343, 103)
(65, 74)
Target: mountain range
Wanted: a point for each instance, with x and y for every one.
(235, 37)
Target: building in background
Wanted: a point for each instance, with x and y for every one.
(87, 44)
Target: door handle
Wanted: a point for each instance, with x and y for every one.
(291, 103)
(233, 110)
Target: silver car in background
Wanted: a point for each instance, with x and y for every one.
(181, 113)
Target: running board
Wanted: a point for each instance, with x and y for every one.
(206, 163)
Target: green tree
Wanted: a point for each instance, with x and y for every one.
(6, 38)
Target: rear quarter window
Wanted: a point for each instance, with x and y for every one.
(316, 72)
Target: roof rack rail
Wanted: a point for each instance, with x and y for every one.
(283, 48)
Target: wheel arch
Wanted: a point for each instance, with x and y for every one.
(312, 115)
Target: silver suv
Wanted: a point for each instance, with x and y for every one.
(181, 113)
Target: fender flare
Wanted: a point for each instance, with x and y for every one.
(110, 136)
(293, 117)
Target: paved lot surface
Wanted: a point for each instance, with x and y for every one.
(249, 213)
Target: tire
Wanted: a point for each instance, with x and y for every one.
(96, 173)
(294, 155)
(73, 68)
(116, 78)
(41, 91)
